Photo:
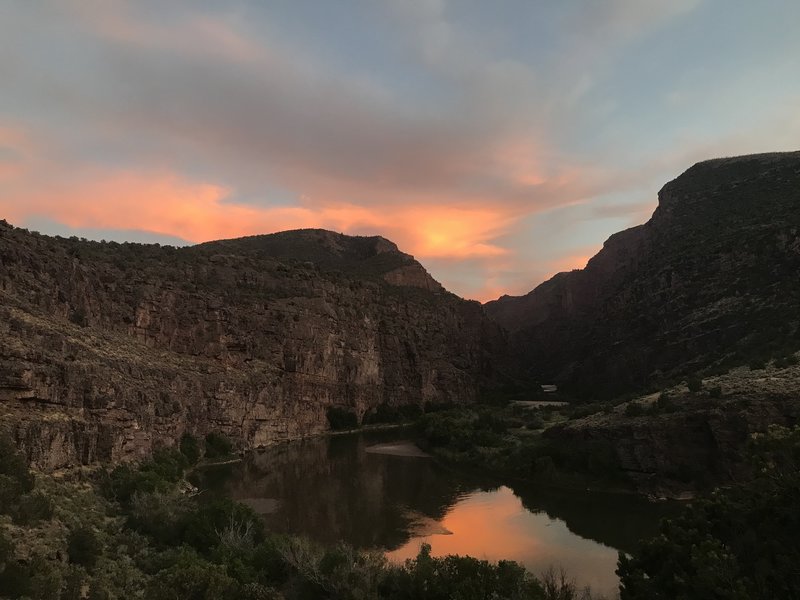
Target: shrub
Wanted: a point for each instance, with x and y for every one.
(459, 577)
(218, 446)
(15, 478)
(190, 448)
(159, 515)
(205, 526)
(341, 418)
(384, 413)
(167, 464)
(83, 547)
(124, 482)
(738, 543)
(694, 384)
(193, 577)
(33, 508)
(757, 365)
(715, 392)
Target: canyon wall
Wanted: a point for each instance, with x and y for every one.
(710, 282)
(108, 350)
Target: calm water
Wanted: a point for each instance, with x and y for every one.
(332, 489)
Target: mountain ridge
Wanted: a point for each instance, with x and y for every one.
(110, 349)
(662, 298)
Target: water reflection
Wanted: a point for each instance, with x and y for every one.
(331, 489)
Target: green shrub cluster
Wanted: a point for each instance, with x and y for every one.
(17, 496)
(739, 544)
(217, 446)
(341, 418)
(386, 413)
(483, 438)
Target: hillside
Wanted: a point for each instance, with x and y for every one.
(108, 349)
(709, 282)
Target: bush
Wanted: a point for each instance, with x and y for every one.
(124, 482)
(458, 577)
(193, 577)
(33, 508)
(218, 446)
(757, 365)
(341, 418)
(694, 384)
(190, 448)
(83, 547)
(167, 464)
(737, 544)
(159, 515)
(715, 392)
(15, 478)
(205, 527)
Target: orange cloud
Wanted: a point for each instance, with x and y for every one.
(573, 261)
(167, 204)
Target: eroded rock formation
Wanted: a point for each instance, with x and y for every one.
(109, 349)
(710, 281)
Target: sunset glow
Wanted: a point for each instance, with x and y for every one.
(495, 526)
(496, 146)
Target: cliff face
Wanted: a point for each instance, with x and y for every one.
(710, 281)
(108, 349)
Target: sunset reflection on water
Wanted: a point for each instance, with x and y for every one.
(341, 489)
(494, 526)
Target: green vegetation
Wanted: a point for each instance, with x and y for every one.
(83, 547)
(190, 448)
(508, 441)
(217, 446)
(739, 544)
(385, 413)
(133, 533)
(341, 418)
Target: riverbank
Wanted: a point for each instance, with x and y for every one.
(134, 533)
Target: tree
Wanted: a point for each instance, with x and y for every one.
(83, 547)
(740, 544)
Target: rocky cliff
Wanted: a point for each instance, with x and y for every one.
(708, 283)
(109, 349)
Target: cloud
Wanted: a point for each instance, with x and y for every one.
(492, 144)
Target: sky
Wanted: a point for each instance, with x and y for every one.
(497, 142)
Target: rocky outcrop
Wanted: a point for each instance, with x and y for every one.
(700, 440)
(109, 349)
(709, 282)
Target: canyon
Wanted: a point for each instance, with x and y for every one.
(111, 349)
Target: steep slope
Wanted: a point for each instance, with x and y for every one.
(709, 282)
(108, 349)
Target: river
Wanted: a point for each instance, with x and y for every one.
(337, 488)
